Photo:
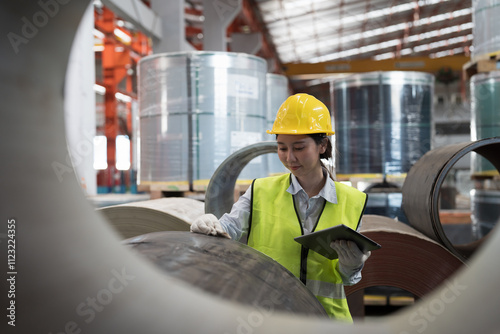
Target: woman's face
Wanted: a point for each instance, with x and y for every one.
(300, 154)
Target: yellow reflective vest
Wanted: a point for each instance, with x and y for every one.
(274, 223)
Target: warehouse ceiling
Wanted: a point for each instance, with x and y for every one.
(312, 31)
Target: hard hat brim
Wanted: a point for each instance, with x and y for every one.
(295, 132)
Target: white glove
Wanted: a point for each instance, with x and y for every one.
(351, 258)
(208, 224)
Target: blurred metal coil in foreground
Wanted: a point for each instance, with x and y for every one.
(229, 270)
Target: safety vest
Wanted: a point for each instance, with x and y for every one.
(274, 223)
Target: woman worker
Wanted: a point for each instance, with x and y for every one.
(275, 210)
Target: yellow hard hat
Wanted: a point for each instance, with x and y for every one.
(302, 114)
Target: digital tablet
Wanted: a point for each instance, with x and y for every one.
(319, 241)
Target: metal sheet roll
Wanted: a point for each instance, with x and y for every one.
(407, 260)
(163, 214)
(219, 197)
(277, 93)
(383, 121)
(195, 109)
(485, 114)
(422, 187)
(229, 270)
(486, 27)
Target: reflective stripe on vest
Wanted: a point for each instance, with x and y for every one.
(326, 289)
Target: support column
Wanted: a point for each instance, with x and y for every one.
(172, 26)
(218, 15)
(246, 43)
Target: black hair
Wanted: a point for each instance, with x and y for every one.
(319, 138)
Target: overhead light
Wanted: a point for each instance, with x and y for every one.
(122, 153)
(123, 97)
(125, 38)
(99, 89)
(100, 153)
(98, 34)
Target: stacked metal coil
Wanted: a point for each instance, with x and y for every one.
(195, 109)
(383, 121)
(277, 93)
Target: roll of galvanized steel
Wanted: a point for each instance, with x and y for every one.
(485, 15)
(229, 270)
(163, 214)
(219, 196)
(195, 109)
(383, 121)
(424, 180)
(277, 93)
(485, 114)
(407, 260)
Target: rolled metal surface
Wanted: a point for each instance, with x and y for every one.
(163, 214)
(485, 15)
(424, 180)
(196, 107)
(407, 260)
(68, 256)
(219, 196)
(277, 93)
(227, 269)
(382, 121)
(485, 114)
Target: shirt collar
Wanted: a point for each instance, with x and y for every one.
(328, 192)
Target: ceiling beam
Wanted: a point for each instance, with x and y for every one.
(422, 64)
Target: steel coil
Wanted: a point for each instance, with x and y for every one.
(424, 180)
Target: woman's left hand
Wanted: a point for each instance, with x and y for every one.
(351, 257)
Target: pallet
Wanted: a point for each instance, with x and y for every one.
(355, 179)
(182, 189)
(481, 64)
(454, 217)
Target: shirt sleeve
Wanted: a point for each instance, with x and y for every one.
(349, 278)
(235, 223)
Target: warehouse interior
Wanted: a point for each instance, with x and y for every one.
(165, 111)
